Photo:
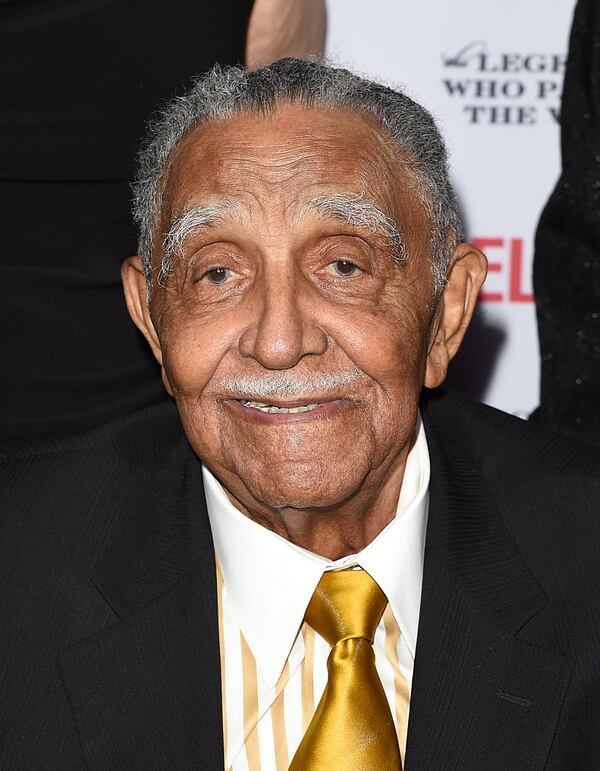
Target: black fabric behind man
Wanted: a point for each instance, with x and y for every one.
(567, 251)
(79, 81)
(109, 621)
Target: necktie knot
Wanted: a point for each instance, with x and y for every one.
(346, 604)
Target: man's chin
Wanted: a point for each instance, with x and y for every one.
(309, 491)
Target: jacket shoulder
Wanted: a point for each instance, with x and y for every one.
(544, 487)
(139, 438)
(504, 445)
(62, 502)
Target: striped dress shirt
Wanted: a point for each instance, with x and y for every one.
(273, 665)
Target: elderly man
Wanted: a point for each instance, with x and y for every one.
(308, 563)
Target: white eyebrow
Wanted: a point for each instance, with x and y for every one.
(186, 224)
(357, 211)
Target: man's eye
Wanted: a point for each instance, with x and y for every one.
(343, 268)
(218, 275)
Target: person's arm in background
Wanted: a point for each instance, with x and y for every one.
(566, 273)
(280, 28)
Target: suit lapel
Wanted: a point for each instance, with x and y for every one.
(146, 692)
(482, 697)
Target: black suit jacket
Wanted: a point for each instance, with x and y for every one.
(110, 650)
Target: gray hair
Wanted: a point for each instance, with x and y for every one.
(224, 93)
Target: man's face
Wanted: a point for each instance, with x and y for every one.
(293, 341)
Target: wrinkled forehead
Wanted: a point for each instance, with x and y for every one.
(280, 161)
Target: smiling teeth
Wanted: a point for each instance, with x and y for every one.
(283, 410)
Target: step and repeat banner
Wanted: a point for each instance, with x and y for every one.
(491, 73)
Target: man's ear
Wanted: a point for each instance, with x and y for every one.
(466, 273)
(135, 288)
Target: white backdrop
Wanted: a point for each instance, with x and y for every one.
(491, 73)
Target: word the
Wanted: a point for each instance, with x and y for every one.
(506, 115)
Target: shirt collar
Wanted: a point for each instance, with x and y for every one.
(269, 581)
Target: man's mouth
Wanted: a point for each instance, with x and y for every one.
(283, 412)
(276, 409)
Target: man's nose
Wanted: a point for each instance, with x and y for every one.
(284, 329)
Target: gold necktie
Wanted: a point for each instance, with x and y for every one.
(352, 728)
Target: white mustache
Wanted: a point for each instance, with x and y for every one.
(284, 384)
